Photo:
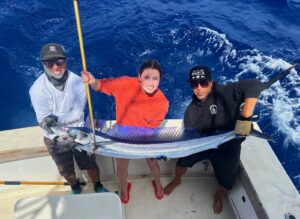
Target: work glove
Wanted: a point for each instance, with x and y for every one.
(49, 122)
(243, 126)
(87, 77)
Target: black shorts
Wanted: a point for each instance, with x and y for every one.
(225, 161)
(63, 157)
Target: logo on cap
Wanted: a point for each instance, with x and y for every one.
(52, 48)
(198, 74)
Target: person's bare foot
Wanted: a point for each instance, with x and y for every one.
(158, 190)
(218, 205)
(124, 196)
(171, 186)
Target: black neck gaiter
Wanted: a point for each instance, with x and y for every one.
(58, 83)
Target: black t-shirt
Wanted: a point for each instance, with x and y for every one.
(222, 107)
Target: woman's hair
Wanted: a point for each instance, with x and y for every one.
(151, 63)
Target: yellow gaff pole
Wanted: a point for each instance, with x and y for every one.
(84, 67)
(39, 183)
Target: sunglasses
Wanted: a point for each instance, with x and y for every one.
(202, 83)
(58, 62)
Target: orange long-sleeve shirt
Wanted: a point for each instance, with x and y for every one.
(133, 106)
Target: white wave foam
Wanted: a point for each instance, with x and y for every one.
(211, 42)
(219, 42)
(283, 116)
(145, 53)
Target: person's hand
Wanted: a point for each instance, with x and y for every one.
(243, 126)
(51, 120)
(48, 122)
(87, 77)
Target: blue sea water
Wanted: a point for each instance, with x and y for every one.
(237, 39)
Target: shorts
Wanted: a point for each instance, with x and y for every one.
(63, 158)
(225, 161)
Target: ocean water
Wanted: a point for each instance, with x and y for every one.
(237, 39)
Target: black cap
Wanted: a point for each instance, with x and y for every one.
(199, 73)
(52, 50)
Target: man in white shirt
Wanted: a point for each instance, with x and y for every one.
(58, 97)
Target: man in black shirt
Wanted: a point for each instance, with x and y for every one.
(215, 108)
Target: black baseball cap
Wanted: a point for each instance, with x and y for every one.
(51, 51)
(199, 73)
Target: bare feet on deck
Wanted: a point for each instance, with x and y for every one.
(171, 186)
(218, 205)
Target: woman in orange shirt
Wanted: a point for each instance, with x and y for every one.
(140, 103)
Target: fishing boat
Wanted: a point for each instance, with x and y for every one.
(31, 186)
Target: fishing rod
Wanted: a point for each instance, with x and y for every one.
(84, 66)
(280, 75)
(40, 183)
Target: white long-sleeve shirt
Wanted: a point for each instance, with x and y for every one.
(68, 104)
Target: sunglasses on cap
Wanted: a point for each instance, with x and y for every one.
(202, 83)
(58, 62)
